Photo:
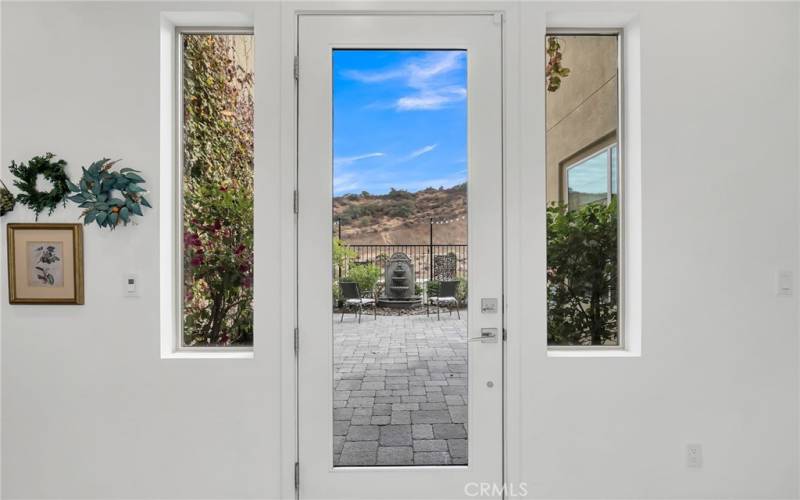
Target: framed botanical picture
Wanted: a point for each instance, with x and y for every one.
(45, 263)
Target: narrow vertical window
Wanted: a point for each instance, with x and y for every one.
(216, 188)
(583, 188)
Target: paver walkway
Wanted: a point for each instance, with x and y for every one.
(400, 390)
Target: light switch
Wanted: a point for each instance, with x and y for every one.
(785, 283)
(694, 456)
(131, 286)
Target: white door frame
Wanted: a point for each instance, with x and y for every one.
(512, 201)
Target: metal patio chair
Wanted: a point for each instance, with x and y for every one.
(446, 296)
(352, 299)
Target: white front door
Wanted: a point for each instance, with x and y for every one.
(400, 163)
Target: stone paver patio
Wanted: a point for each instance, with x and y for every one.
(400, 390)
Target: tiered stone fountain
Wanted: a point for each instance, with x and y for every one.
(398, 291)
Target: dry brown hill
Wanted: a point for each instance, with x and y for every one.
(401, 217)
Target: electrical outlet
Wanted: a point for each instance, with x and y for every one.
(785, 283)
(694, 456)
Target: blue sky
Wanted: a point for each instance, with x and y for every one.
(399, 120)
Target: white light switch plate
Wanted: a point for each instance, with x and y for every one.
(694, 456)
(131, 285)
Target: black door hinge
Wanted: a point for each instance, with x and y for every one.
(297, 476)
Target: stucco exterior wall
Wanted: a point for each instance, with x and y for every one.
(582, 114)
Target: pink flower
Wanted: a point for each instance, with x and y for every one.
(198, 258)
(191, 240)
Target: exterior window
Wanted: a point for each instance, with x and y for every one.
(583, 195)
(216, 183)
(592, 179)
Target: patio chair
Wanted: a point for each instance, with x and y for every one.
(445, 296)
(351, 296)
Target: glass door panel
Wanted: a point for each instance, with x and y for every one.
(400, 265)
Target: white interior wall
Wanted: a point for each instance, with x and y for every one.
(90, 410)
(719, 348)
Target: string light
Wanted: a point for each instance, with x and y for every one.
(448, 221)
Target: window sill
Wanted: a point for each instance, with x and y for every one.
(592, 353)
(209, 354)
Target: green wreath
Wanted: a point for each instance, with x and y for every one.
(96, 190)
(26, 182)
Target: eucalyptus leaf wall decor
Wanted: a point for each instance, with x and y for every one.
(7, 201)
(27, 175)
(109, 197)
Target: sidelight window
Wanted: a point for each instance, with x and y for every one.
(216, 188)
(584, 201)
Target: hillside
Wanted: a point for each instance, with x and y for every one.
(401, 217)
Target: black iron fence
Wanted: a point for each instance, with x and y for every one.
(440, 262)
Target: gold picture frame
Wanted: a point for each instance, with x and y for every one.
(45, 263)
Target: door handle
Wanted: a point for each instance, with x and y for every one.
(488, 336)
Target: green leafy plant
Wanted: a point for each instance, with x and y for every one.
(432, 288)
(461, 291)
(365, 275)
(582, 275)
(96, 194)
(342, 253)
(27, 174)
(554, 71)
(337, 292)
(218, 190)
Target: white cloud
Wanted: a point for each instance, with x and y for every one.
(433, 65)
(372, 76)
(431, 99)
(428, 78)
(419, 152)
(347, 160)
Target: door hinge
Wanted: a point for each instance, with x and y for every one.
(505, 334)
(296, 340)
(297, 475)
(297, 68)
(296, 202)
